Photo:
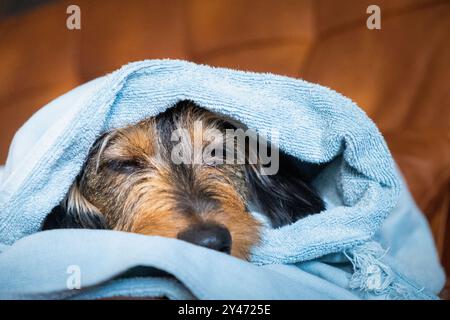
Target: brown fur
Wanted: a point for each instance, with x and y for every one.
(130, 179)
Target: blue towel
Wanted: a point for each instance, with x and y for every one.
(371, 242)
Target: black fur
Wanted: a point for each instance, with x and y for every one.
(59, 218)
(286, 196)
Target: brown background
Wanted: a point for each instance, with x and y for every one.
(400, 75)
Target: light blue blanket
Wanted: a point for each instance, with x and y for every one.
(371, 242)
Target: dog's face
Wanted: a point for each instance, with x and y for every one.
(131, 182)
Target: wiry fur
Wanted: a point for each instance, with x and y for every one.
(129, 183)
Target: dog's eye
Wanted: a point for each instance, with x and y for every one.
(124, 166)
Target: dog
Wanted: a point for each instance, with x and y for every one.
(129, 182)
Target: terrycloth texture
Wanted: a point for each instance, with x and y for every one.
(205, 274)
(315, 124)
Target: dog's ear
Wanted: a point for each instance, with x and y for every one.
(75, 211)
(284, 197)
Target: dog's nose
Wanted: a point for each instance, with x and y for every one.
(208, 235)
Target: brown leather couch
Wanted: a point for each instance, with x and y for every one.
(399, 75)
